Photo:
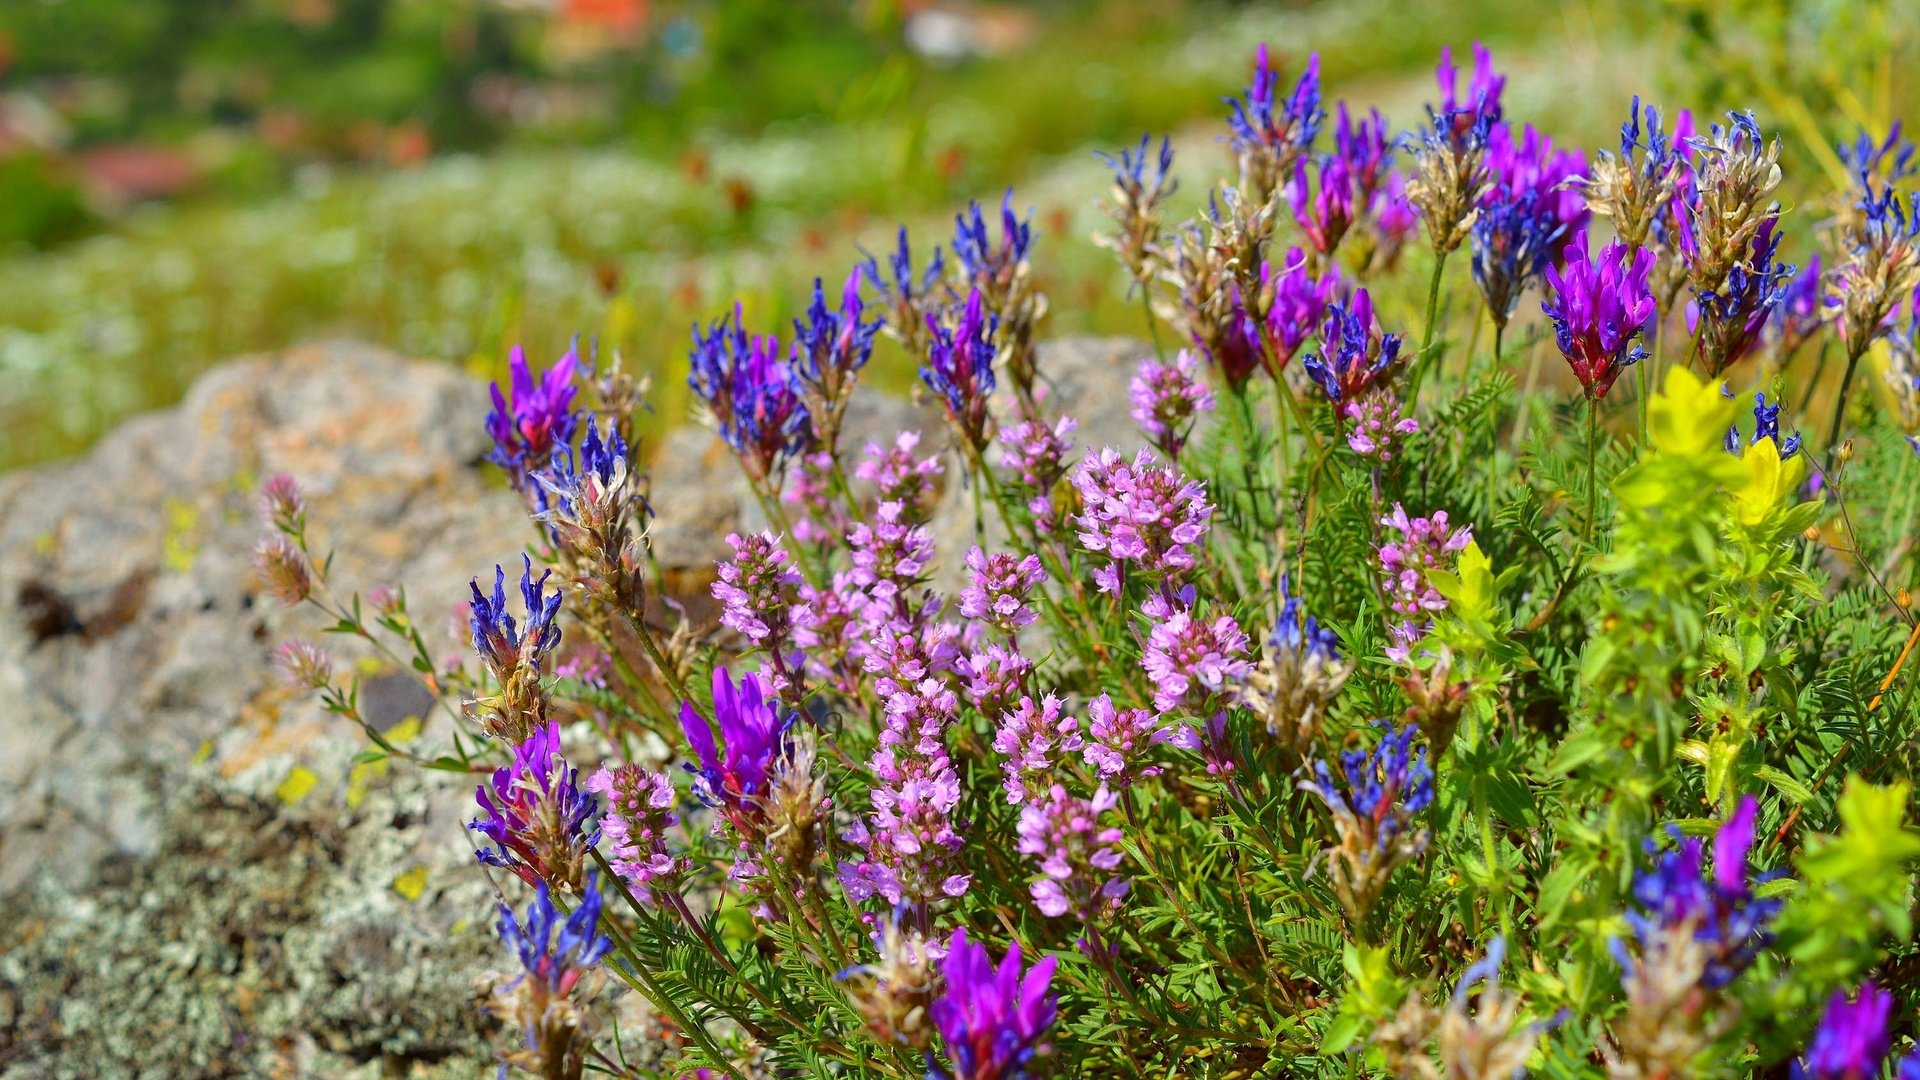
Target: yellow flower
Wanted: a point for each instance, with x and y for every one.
(1689, 417)
(1769, 480)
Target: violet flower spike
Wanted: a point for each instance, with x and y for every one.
(1599, 308)
(1852, 1038)
(959, 368)
(1323, 215)
(537, 815)
(538, 418)
(1716, 909)
(1268, 140)
(993, 1021)
(1298, 306)
(1355, 356)
(732, 773)
(752, 397)
(555, 956)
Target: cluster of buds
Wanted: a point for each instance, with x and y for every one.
(1141, 184)
(1374, 805)
(1268, 141)
(1636, 188)
(1489, 1043)
(546, 1004)
(1213, 312)
(1881, 268)
(596, 514)
(1143, 516)
(514, 655)
(1730, 321)
(1167, 400)
(1299, 673)
(752, 396)
(829, 349)
(894, 994)
(1003, 277)
(758, 589)
(1034, 453)
(539, 817)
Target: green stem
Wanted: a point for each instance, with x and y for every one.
(1840, 406)
(1425, 360)
(1593, 447)
(1153, 324)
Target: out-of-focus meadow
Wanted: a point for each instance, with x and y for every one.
(182, 181)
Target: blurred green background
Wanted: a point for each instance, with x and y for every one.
(182, 181)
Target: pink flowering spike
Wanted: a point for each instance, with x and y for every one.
(998, 589)
(1143, 516)
(1028, 736)
(1598, 310)
(1074, 855)
(639, 813)
(1118, 739)
(1167, 399)
(899, 475)
(1190, 659)
(1423, 545)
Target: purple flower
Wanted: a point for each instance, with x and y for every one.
(908, 298)
(639, 813)
(1355, 355)
(1298, 305)
(910, 841)
(829, 349)
(733, 774)
(557, 960)
(1140, 515)
(1117, 741)
(1469, 119)
(1889, 160)
(985, 267)
(1077, 858)
(1299, 672)
(1803, 309)
(537, 815)
(499, 640)
(993, 1022)
(959, 367)
(898, 475)
(1531, 166)
(1323, 216)
(996, 677)
(539, 418)
(1190, 659)
(1598, 309)
(1374, 803)
(1029, 735)
(1036, 452)
(281, 504)
(997, 594)
(1515, 237)
(825, 623)
(1376, 425)
(752, 395)
(1365, 150)
(1424, 544)
(1269, 142)
(1167, 398)
(1731, 319)
(1718, 910)
(1852, 1037)
(890, 557)
(757, 588)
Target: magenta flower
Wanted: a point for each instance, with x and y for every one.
(1474, 115)
(1166, 400)
(1076, 857)
(1531, 166)
(1191, 659)
(890, 557)
(1598, 310)
(1323, 215)
(1852, 1037)
(910, 841)
(732, 774)
(538, 418)
(1376, 426)
(1117, 741)
(993, 1021)
(996, 677)
(997, 593)
(1036, 452)
(1299, 304)
(1365, 150)
(639, 813)
(757, 589)
(1030, 735)
(537, 815)
(1141, 515)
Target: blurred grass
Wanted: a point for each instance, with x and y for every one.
(467, 255)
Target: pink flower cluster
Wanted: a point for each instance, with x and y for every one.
(1425, 543)
(1141, 515)
(1029, 736)
(639, 812)
(1076, 857)
(997, 594)
(1167, 398)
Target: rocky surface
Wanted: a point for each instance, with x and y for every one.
(196, 878)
